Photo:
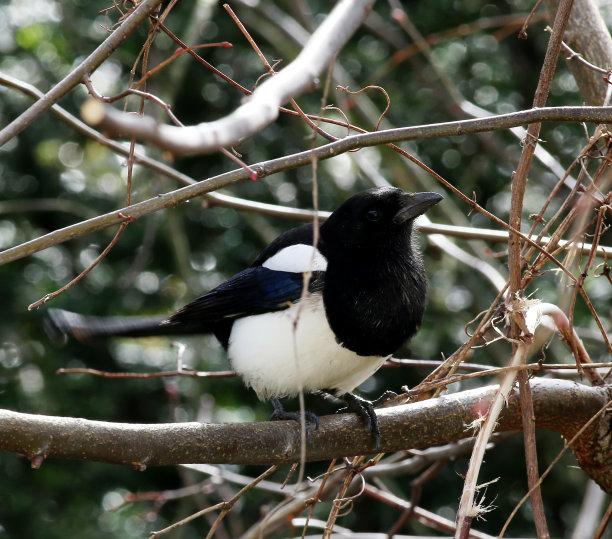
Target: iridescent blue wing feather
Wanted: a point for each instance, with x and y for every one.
(255, 290)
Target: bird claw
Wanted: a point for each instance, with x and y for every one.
(280, 413)
(387, 395)
(365, 410)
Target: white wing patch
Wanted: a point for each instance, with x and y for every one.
(297, 259)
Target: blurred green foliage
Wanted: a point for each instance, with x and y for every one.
(165, 260)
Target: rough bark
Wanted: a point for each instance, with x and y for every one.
(558, 405)
(587, 35)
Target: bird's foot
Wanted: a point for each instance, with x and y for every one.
(365, 410)
(280, 413)
(388, 394)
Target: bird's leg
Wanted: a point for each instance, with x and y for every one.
(365, 410)
(281, 413)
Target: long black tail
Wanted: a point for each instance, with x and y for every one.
(91, 328)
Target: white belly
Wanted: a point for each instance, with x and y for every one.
(273, 356)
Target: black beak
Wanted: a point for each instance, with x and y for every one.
(415, 204)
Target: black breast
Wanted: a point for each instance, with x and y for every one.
(375, 305)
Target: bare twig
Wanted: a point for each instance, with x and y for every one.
(317, 497)
(268, 209)
(222, 473)
(263, 106)
(209, 137)
(427, 518)
(515, 263)
(228, 505)
(85, 68)
(530, 367)
(523, 32)
(598, 114)
(567, 445)
(341, 501)
(224, 506)
(417, 487)
(99, 258)
(588, 35)
(604, 522)
(519, 180)
(163, 374)
(573, 55)
(468, 510)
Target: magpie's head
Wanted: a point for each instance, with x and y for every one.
(376, 217)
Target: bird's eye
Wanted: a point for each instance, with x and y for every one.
(373, 215)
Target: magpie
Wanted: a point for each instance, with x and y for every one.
(319, 318)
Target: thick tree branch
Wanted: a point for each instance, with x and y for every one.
(559, 405)
(86, 67)
(262, 106)
(588, 35)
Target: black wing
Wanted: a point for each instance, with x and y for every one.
(255, 290)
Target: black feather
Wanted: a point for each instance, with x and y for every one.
(255, 290)
(373, 293)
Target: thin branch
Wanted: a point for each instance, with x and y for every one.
(568, 444)
(224, 506)
(342, 500)
(266, 168)
(169, 60)
(604, 522)
(515, 264)
(85, 68)
(263, 106)
(455, 94)
(317, 497)
(501, 236)
(519, 181)
(539, 218)
(214, 199)
(426, 387)
(208, 137)
(573, 55)
(99, 258)
(237, 496)
(417, 488)
(481, 371)
(218, 199)
(449, 247)
(489, 415)
(251, 41)
(201, 60)
(419, 459)
(523, 32)
(423, 516)
(588, 35)
(531, 454)
(163, 374)
(220, 473)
